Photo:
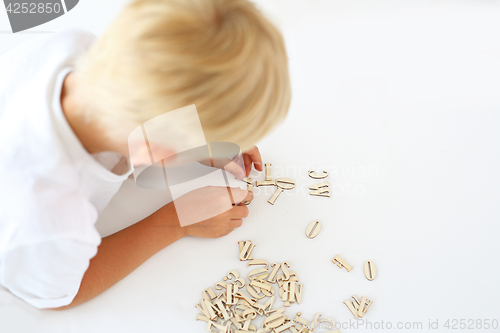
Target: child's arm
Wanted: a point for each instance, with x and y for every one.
(121, 253)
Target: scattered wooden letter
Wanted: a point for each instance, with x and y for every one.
(246, 248)
(370, 270)
(313, 229)
(341, 263)
(317, 175)
(320, 190)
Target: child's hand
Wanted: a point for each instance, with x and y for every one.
(207, 212)
(233, 166)
(224, 223)
(252, 156)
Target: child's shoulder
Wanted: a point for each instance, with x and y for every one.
(67, 42)
(73, 36)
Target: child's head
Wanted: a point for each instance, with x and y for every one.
(160, 55)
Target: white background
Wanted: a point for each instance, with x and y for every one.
(400, 102)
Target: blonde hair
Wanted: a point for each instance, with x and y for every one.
(223, 56)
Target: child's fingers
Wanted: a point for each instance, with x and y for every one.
(249, 196)
(248, 164)
(235, 169)
(238, 194)
(239, 212)
(235, 223)
(255, 156)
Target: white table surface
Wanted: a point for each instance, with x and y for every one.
(402, 107)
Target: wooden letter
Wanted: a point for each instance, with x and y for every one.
(246, 249)
(272, 276)
(321, 190)
(268, 171)
(275, 196)
(313, 229)
(351, 308)
(341, 263)
(370, 271)
(317, 175)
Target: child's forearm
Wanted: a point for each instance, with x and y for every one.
(119, 254)
(122, 252)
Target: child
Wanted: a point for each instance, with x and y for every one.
(67, 105)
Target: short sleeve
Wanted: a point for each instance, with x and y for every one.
(46, 274)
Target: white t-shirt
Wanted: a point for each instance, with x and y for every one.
(51, 189)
